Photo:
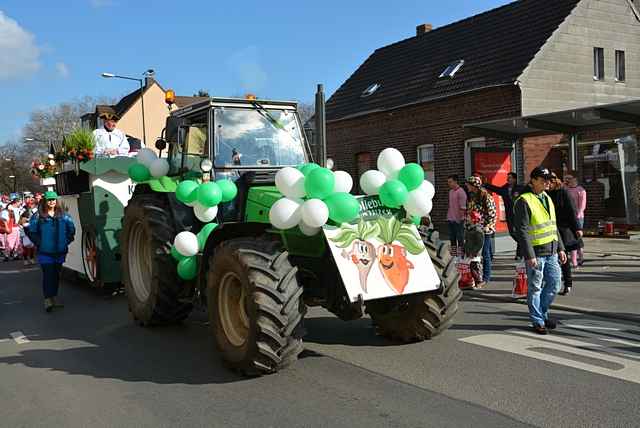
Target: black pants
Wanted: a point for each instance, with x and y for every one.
(567, 278)
(50, 279)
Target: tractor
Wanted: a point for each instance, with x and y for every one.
(257, 281)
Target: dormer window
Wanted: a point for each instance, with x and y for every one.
(452, 69)
(370, 90)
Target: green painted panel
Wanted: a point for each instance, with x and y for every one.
(99, 166)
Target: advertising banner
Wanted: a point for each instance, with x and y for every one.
(495, 166)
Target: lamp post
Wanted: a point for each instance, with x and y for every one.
(15, 182)
(141, 81)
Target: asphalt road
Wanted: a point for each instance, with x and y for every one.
(89, 365)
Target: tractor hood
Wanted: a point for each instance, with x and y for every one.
(264, 195)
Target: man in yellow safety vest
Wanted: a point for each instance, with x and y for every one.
(535, 229)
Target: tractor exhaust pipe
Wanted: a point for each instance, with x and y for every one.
(321, 127)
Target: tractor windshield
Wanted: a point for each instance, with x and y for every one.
(248, 137)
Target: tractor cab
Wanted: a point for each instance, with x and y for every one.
(228, 137)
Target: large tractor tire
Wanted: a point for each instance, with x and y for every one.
(417, 317)
(255, 305)
(149, 272)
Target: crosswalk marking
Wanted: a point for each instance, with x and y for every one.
(591, 327)
(560, 350)
(19, 338)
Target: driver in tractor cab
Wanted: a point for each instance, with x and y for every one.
(109, 140)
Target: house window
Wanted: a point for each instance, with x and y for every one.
(452, 69)
(426, 159)
(370, 90)
(620, 67)
(598, 64)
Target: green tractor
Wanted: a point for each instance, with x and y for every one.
(256, 280)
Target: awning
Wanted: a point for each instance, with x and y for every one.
(607, 116)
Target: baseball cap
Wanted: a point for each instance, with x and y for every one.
(50, 195)
(474, 181)
(540, 171)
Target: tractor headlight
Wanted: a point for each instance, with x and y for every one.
(206, 165)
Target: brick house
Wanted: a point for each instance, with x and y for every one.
(472, 95)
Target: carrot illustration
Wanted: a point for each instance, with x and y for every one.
(392, 258)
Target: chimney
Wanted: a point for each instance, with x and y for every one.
(423, 29)
(149, 77)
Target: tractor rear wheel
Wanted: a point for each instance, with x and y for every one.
(149, 272)
(255, 305)
(418, 317)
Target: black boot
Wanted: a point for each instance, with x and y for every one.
(565, 290)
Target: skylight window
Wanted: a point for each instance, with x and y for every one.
(452, 69)
(370, 90)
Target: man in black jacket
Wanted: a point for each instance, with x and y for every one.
(534, 225)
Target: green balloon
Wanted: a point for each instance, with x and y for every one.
(204, 233)
(167, 183)
(412, 175)
(186, 191)
(319, 183)
(209, 194)
(416, 220)
(188, 268)
(393, 193)
(175, 254)
(228, 189)
(139, 173)
(308, 167)
(343, 207)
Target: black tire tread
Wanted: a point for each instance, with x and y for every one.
(421, 316)
(279, 306)
(165, 305)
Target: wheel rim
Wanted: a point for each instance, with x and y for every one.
(232, 309)
(140, 262)
(90, 256)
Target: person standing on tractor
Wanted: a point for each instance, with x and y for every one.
(541, 244)
(51, 230)
(109, 140)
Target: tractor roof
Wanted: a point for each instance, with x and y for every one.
(232, 102)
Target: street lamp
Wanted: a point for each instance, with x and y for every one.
(141, 82)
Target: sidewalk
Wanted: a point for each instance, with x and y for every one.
(608, 284)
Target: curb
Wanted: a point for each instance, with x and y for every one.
(560, 307)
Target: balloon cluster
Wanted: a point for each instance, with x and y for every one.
(312, 196)
(186, 246)
(398, 184)
(148, 165)
(204, 198)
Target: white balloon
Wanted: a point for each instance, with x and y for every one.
(418, 204)
(186, 243)
(290, 182)
(390, 162)
(371, 181)
(205, 214)
(344, 182)
(285, 213)
(308, 230)
(314, 213)
(427, 188)
(146, 156)
(159, 168)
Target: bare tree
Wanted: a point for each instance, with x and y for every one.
(51, 124)
(15, 169)
(306, 111)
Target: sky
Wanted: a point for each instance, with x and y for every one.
(52, 52)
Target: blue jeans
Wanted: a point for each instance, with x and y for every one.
(544, 284)
(487, 255)
(456, 233)
(50, 279)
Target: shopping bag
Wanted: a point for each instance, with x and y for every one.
(466, 279)
(520, 284)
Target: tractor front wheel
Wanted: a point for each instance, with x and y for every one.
(418, 317)
(255, 305)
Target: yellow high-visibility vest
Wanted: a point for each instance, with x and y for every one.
(542, 226)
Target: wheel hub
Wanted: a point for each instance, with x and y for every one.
(140, 261)
(232, 309)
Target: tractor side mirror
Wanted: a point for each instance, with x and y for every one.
(161, 144)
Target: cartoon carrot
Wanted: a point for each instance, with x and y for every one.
(392, 258)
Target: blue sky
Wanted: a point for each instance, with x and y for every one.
(52, 52)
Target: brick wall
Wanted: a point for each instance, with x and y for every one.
(439, 123)
(538, 151)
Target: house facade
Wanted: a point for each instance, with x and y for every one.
(449, 97)
(129, 109)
